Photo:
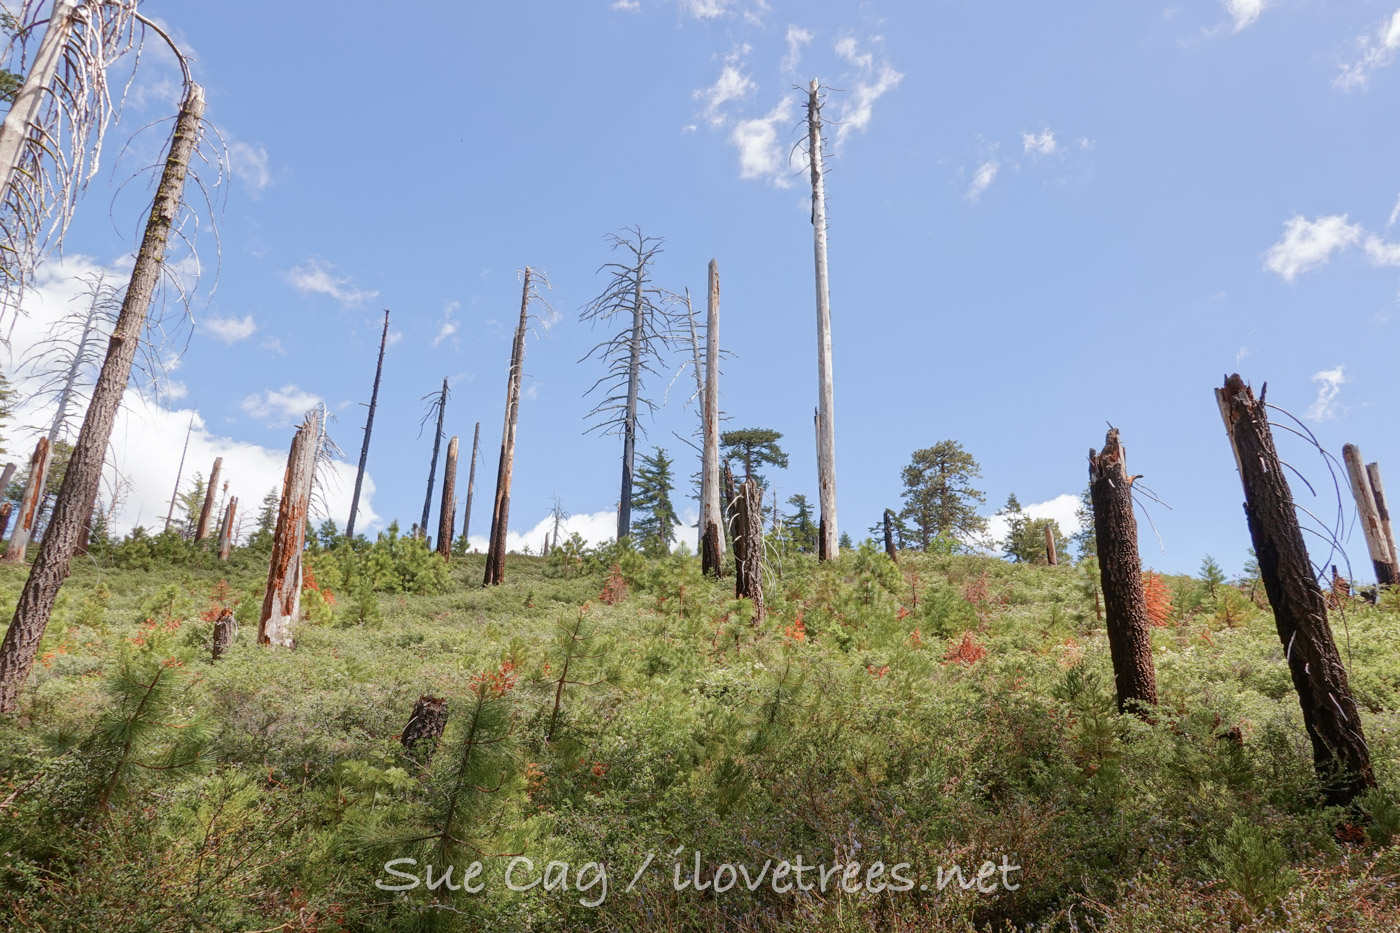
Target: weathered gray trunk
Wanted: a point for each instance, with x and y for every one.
(826, 428)
(711, 512)
(5, 476)
(282, 601)
(448, 513)
(29, 503)
(471, 484)
(500, 512)
(1373, 473)
(226, 530)
(432, 467)
(1340, 754)
(748, 546)
(369, 428)
(6, 509)
(23, 115)
(1368, 516)
(206, 513)
(1120, 572)
(84, 473)
(629, 425)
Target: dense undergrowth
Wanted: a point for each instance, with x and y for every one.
(603, 707)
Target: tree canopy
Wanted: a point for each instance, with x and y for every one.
(939, 499)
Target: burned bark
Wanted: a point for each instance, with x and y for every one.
(1373, 473)
(369, 429)
(1340, 754)
(29, 502)
(1050, 557)
(282, 601)
(471, 484)
(440, 403)
(448, 516)
(748, 546)
(500, 510)
(206, 513)
(1368, 516)
(225, 627)
(425, 727)
(84, 473)
(889, 536)
(226, 530)
(1120, 572)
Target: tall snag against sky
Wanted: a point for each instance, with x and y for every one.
(636, 349)
(438, 406)
(826, 429)
(711, 512)
(369, 428)
(84, 473)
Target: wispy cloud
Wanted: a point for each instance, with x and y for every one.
(1040, 144)
(230, 329)
(871, 83)
(448, 327)
(797, 37)
(318, 277)
(986, 174)
(273, 345)
(280, 407)
(1377, 49)
(1329, 385)
(1244, 13)
(249, 165)
(762, 154)
(732, 84)
(628, 6)
(1307, 244)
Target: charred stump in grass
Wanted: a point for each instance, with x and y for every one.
(5, 510)
(748, 547)
(225, 627)
(1340, 754)
(1120, 573)
(425, 727)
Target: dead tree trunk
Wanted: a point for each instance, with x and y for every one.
(206, 513)
(23, 117)
(500, 511)
(29, 503)
(448, 517)
(748, 546)
(711, 514)
(1369, 516)
(226, 530)
(5, 476)
(282, 601)
(179, 475)
(369, 428)
(1340, 753)
(826, 427)
(1373, 473)
(224, 628)
(1120, 571)
(425, 727)
(889, 536)
(432, 467)
(84, 473)
(5, 510)
(471, 485)
(1050, 547)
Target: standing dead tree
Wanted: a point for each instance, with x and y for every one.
(748, 546)
(1373, 473)
(179, 475)
(828, 537)
(1340, 754)
(226, 528)
(471, 486)
(206, 512)
(369, 428)
(648, 324)
(711, 513)
(437, 405)
(500, 509)
(282, 600)
(1120, 571)
(1050, 557)
(889, 536)
(1368, 513)
(29, 503)
(447, 515)
(84, 472)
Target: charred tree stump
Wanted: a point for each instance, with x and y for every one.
(1340, 754)
(206, 513)
(282, 601)
(1120, 572)
(1373, 473)
(448, 513)
(369, 429)
(29, 503)
(226, 532)
(425, 727)
(5, 510)
(748, 547)
(889, 537)
(225, 627)
(1050, 557)
(1369, 517)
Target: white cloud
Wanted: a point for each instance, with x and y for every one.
(284, 406)
(595, 528)
(1377, 51)
(731, 85)
(705, 9)
(1382, 253)
(1325, 407)
(871, 84)
(849, 50)
(230, 329)
(273, 345)
(628, 6)
(249, 165)
(449, 326)
(394, 337)
(1041, 144)
(797, 37)
(762, 154)
(318, 277)
(1244, 12)
(986, 174)
(1062, 509)
(1306, 244)
(1394, 214)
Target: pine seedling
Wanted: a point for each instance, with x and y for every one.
(574, 649)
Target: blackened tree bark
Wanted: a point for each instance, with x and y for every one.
(889, 537)
(424, 729)
(1340, 754)
(748, 547)
(440, 403)
(471, 484)
(1120, 570)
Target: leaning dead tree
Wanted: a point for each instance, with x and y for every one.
(437, 405)
(206, 511)
(84, 472)
(1340, 754)
(828, 537)
(471, 484)
(748, 546)
(711, 512)
(369, 428)
(29, 502)
(1369, 515)
(634, 351)
(1120, 571)
(1373, 473)
(447, 515)
(282, 600)
(226, 529)
(500, 508)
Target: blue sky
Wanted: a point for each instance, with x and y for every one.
(1043, 217)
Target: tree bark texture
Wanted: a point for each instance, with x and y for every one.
(84, 473)
(448, 513)
(500, 511)
(369, 428)
(206, 513)
(22, 118)
(424, 729)
(226, 531)
(6, 509)
(471, 484)
(748, 547)
(889, 537)
(1368, 516)
(826, 427)
(1050, 556)
(1373, 473)
(29, 502)
(711, 512)
(1120, 572)
(225, 627)
(282, 601)
(1340, 754)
